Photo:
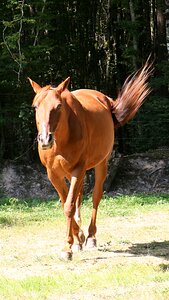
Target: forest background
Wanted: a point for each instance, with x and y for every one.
(96, 42)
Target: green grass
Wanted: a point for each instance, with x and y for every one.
(19, 212)
(15, 211)
(134, 204)
(106, 277)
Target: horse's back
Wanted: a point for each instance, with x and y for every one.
(91, 99)
(96, 107)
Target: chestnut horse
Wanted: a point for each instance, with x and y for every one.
(75, 134)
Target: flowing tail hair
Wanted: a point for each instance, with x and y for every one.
(132, 95)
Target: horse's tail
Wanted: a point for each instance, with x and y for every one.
(131, 96)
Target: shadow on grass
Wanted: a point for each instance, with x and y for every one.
(157, 249)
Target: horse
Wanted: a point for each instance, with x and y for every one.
(76, 133)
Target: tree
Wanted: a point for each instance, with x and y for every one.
(98, 44)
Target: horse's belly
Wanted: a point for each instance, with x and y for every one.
(100, 143)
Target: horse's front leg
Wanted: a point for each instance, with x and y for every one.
(62, 190)
(78, 235)
(69, 210)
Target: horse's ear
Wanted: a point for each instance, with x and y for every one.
(63, 85)
(36, 87)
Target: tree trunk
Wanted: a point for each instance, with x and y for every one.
(161, 41)
(133, 20)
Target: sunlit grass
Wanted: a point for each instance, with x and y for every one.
(133, 204)
(19, 212)
(127, 205)
(72, 282)
(15, 211)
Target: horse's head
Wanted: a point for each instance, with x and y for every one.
(47, 104)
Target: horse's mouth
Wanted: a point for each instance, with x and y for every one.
(45, 142)
(46, 146)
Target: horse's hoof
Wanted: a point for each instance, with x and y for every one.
(76, 247)
(91, 243)
(66, 255)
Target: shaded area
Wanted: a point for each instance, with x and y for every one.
(157, 249)
(154, 248)
(143, 173)
(139, 173)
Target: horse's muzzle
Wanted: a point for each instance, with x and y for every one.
(45, 141)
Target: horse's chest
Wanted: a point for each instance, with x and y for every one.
(61, 162)
(64, 165)
(59, 165)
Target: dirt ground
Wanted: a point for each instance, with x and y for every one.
(121, 241)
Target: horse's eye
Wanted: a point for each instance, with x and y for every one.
(59, 106)
(35, 107)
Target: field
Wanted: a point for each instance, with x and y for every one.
(131, 261)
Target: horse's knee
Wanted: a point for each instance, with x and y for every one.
(69, 210)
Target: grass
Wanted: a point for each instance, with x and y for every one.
(15, 211)
(129, 277)
(23, 212)
(131, 261)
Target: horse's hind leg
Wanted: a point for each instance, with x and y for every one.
(100, 176)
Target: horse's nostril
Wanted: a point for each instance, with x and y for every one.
(39, 137)
(50, 138)
(45, 141)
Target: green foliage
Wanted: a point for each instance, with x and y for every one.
(96, 43)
